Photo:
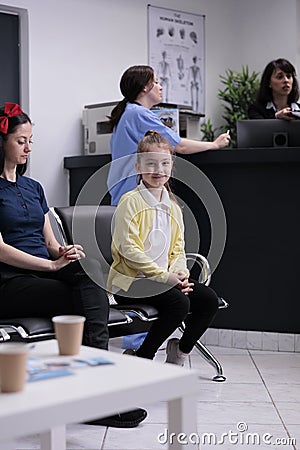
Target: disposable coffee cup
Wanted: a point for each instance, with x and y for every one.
(68, 332)
(13, 366)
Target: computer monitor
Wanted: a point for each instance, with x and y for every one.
(268, 133)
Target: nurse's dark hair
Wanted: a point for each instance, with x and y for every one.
(264, 94)
(132, 82)
(13, 123)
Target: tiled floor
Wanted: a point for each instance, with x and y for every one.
(256, 408)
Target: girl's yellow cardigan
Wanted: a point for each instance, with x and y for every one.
(132, 223)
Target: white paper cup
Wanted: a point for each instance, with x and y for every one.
(68, 332)
(13, 365)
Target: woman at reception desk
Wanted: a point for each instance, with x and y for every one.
(278, 92)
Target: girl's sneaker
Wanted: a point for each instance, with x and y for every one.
(129, 351)
(173, 353)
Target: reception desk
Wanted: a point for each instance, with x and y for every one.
(258, 272)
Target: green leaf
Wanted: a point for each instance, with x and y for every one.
(239, 91)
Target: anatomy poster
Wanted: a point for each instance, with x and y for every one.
(176, 51)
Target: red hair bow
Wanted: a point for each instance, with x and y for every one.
(10, 110)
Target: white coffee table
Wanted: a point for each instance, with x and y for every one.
(46, 406)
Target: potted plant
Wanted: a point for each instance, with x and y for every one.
(239, 92)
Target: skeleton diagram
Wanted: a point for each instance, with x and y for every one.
(195, 80)
(164, 76)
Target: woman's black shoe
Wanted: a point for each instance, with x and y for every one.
(129, 419)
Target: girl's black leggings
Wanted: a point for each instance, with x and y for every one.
(196, 310)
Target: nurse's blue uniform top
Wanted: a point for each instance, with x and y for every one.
(134, 123)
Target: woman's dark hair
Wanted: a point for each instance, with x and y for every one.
(13, 123)
(133, 81)
(153, 137)
(264, 94)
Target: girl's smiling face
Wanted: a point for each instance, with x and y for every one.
(155, 166)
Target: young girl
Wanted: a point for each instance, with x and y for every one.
(149, 260)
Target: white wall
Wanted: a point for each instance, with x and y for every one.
(78, 50)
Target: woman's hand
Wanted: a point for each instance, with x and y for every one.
(62, 257)
(68, 254)
(72, 252)
(58, 264)
(285, 114)
(222, 141)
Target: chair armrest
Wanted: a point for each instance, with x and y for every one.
(59, 230)
(222, 303)
(205, 271)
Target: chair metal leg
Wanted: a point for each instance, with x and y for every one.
(209, 357)
(4, 336)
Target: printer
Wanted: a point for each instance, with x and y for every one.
(96, 130)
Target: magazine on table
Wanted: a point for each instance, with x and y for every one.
(45, 368)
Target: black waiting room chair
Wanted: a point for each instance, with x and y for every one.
(92, 227)
(84, 221)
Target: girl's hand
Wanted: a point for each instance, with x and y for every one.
(174, 280)
(72, 252)
(181, 281)
(186, 286)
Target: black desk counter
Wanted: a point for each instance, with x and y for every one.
(226, 156)
(259, 270)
